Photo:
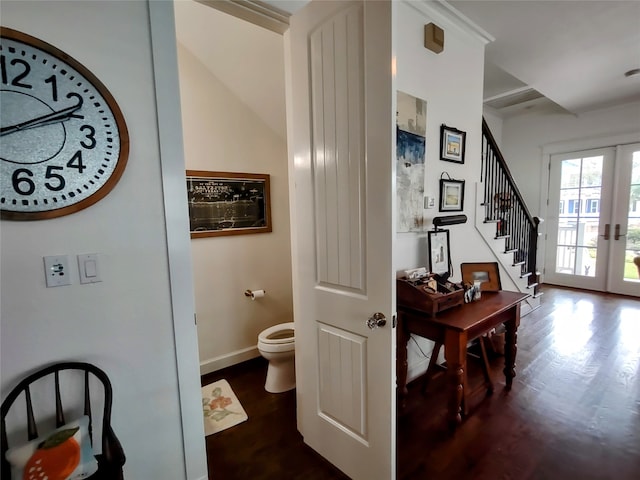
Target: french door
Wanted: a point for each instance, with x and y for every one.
(593, 233)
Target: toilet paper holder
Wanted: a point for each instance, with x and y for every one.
(253, 294)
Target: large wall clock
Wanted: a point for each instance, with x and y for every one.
(64, 142)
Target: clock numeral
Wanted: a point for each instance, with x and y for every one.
(76, 95)
(76, 162)
(91, 136)
(17, 79)
(54, 87)
(59, 178)
(80, 102)
(23, 184)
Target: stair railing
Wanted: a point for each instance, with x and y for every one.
(505, 206)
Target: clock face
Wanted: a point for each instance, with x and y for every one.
(64, 142)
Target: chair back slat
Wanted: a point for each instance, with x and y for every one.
(32, 429)
(87, 404)
(59, 412)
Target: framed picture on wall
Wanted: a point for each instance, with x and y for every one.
(452, 144)
(439, 254)
(227, 203)
(451, 195)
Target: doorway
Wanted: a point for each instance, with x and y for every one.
(593, 238)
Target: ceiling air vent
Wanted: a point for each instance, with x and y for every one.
(513, 97)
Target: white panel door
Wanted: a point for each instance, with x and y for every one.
(341, 117)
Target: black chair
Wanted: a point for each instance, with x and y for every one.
(112, 458)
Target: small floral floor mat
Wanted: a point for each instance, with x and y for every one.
(220, 407)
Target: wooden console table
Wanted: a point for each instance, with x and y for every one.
(454, 328)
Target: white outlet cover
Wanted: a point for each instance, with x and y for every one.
(56, 270)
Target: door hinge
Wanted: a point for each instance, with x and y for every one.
(393, 322)
(195, 318)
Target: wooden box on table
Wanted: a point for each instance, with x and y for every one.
(417, 295)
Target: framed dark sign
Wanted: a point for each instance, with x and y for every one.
(226, 203)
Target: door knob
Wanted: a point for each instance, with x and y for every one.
(376, 321)
(617, 235)
(606, 231)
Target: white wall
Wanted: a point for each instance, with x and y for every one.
(224, 134)
(526, 136)
(451, 83)
(494, 121)
(125, 324)
(528, 141)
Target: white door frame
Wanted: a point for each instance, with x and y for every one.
(566, 147)
(170, 140)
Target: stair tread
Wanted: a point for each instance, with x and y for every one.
(525, 275)
(532, 285)
(518, 263)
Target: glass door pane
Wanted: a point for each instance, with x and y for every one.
(579, 217)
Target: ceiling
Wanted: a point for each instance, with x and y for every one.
(574, 53)
(547, 56)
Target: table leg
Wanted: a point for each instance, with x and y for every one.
(511, 347)
(401, 359)
(455, 353)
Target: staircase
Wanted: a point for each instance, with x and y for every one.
(503, 220)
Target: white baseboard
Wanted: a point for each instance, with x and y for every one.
(218, 363)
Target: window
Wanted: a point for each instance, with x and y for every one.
(574, 206)
(593, 205)
(561, 207)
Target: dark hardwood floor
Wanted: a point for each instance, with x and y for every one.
(573, 412)
(268, 445)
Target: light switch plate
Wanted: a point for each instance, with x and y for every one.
(88, 268)
(56, 270)
(429, 202)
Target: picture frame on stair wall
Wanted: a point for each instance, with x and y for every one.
(452, 144)
(451, 195)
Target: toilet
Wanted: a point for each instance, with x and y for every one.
(277, 345)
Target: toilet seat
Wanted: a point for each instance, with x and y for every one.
(276, 335)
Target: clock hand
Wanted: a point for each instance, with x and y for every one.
(53, 117)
